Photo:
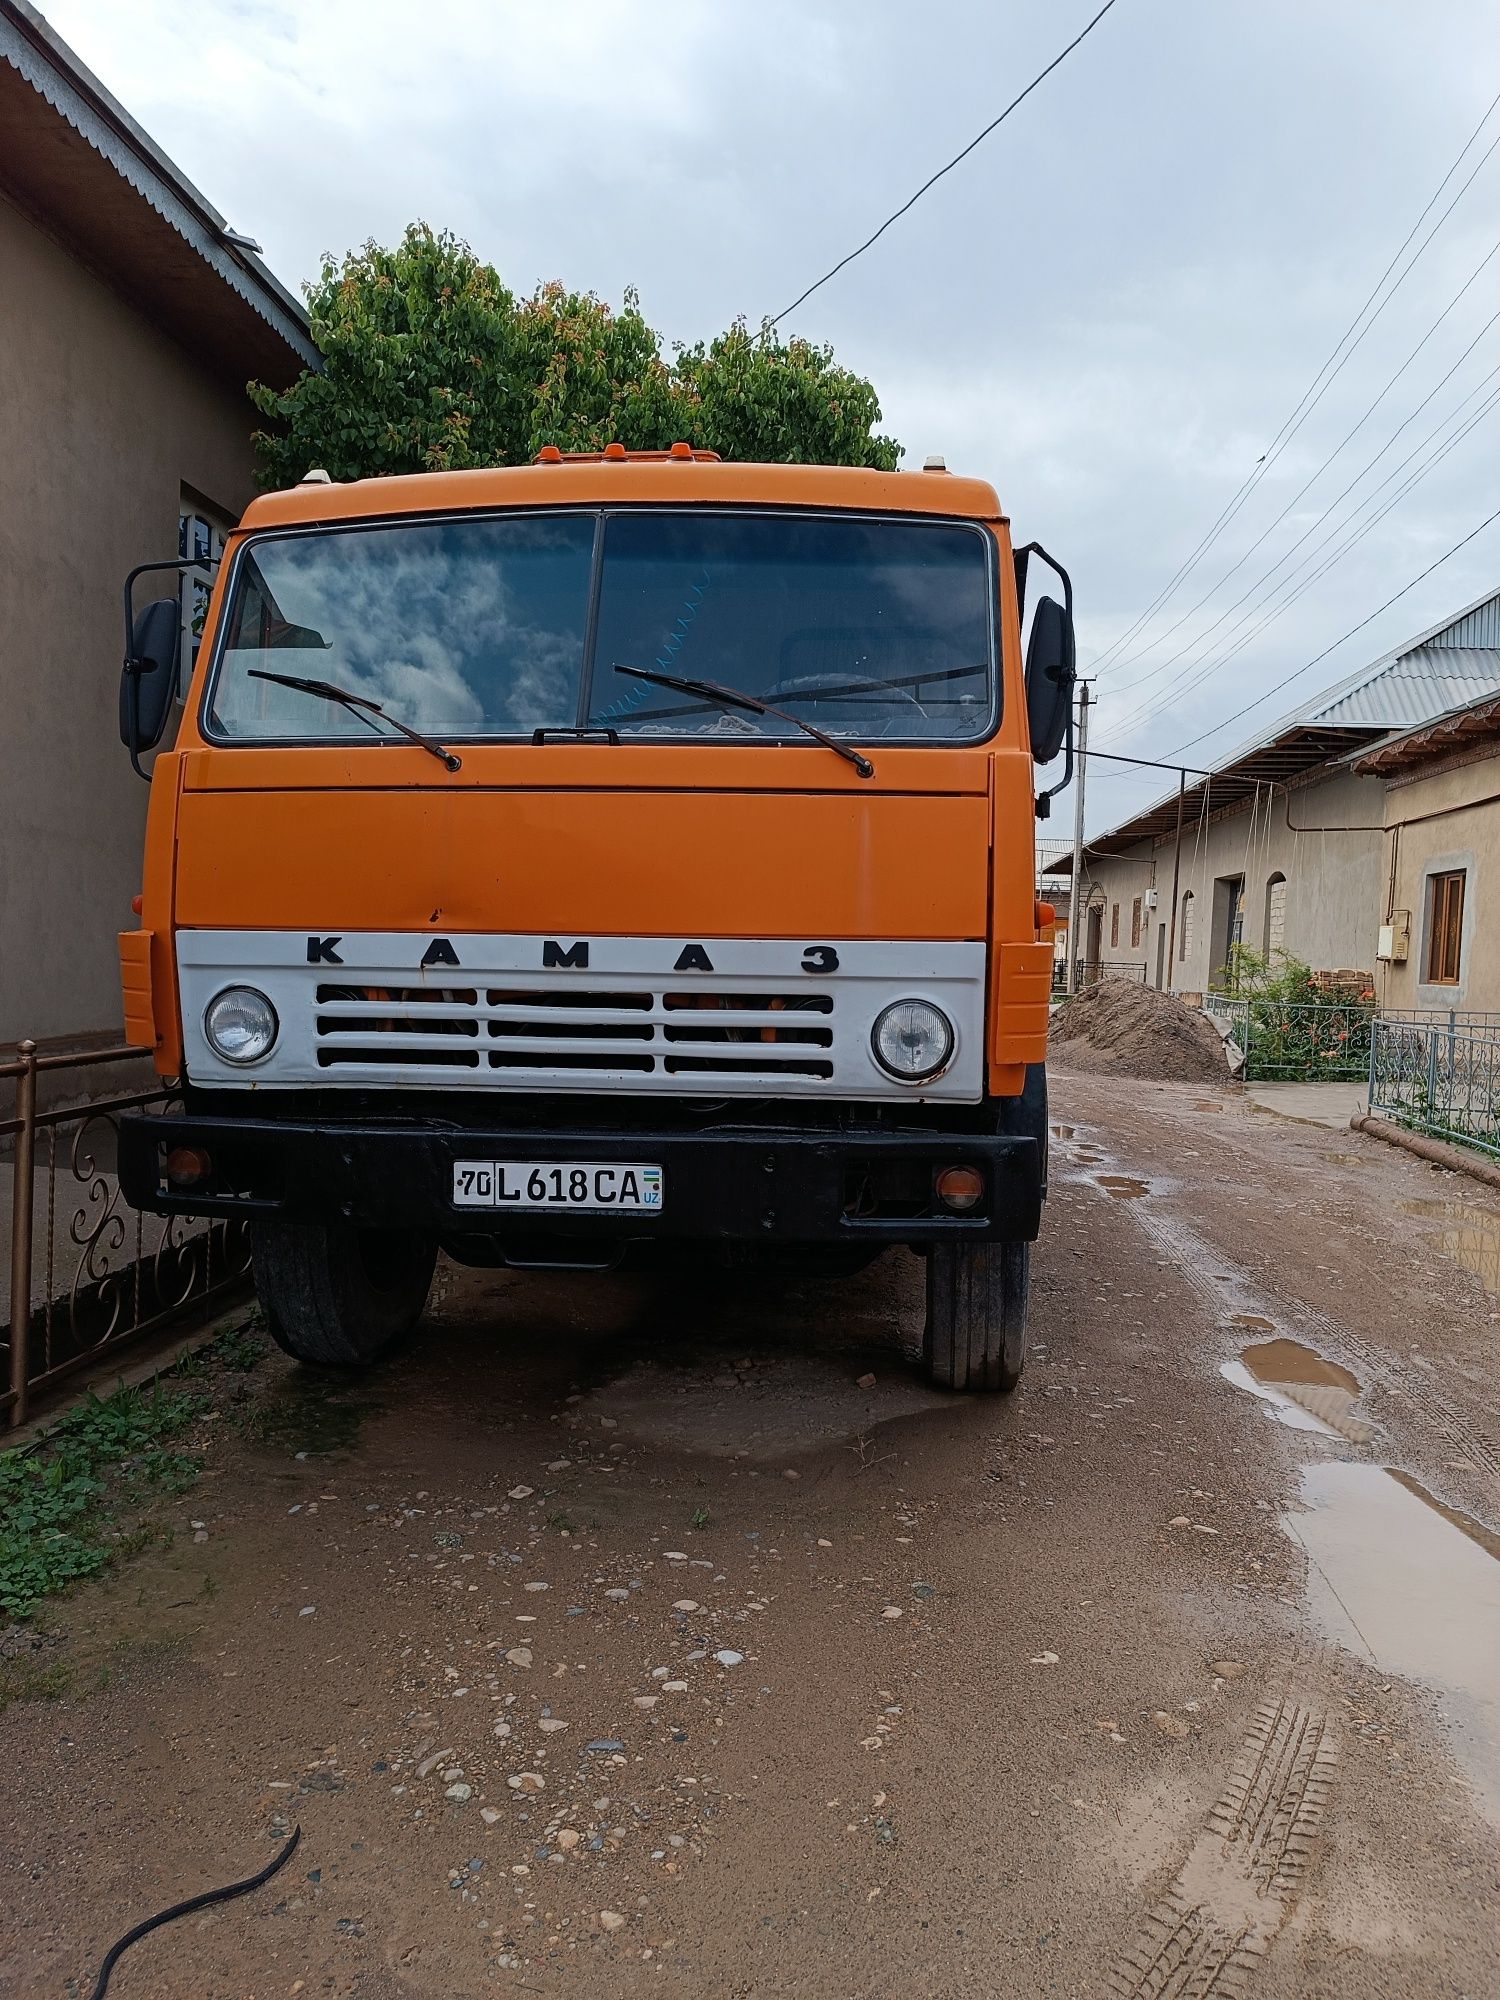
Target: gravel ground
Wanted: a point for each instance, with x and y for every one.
(661, 1634)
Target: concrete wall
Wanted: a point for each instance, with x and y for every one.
(1445, 818)
(103, 420)
(1329, 855)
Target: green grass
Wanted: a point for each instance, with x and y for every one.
(26, 1680)
(62, 1494)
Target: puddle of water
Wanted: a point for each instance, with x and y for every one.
(1207, 1104)
(1254, 1320)
(1470, 1235)
(1063, 1131)
(1089, 1156)
(1400, 1578)
(1305, 1392)
(1124, 1187)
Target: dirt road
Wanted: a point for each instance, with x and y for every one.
(625, 1638)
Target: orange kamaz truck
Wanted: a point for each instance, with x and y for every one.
(627, 849)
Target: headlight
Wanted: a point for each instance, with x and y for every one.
(240, 1025)
(912, 1040)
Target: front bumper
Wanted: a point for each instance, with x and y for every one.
(726, 1184)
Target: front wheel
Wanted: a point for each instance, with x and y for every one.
(975, 1336)
(337, 1296)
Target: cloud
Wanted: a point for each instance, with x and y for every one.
(1108, 310)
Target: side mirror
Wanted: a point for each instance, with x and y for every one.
(148, 680)
(1050, 673)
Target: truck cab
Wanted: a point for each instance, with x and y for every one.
(624, 849)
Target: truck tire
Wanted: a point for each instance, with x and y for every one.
(975, 1336)
(337, 1296)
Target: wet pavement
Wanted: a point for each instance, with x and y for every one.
(662, 1633)
(1468, 1232)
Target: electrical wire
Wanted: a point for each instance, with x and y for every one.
(1262, 616)
(1194, 675)
(1310, 399)
(1129, 687)
(1309, 483)
(1310, 664)
(933, 179)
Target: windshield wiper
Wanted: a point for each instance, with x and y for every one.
(349, 699)
(732, 698)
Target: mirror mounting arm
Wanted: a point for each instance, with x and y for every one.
(133, 666)
(1022, 558)
(133, 699)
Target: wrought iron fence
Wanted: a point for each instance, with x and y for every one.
(1325, 1041)
(1439, 1077)
(87, 1271)
(1287, 1041)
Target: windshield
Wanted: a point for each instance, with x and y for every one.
(481, 627)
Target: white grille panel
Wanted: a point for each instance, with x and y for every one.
(624, 1013)
(637, 1034)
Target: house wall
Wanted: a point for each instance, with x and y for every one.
(1324, 837)
(1445, 818)
(103, 421)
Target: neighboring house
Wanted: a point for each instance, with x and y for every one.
(1281, 845)
(131, 318)
(1053, 887)
(1440, 886)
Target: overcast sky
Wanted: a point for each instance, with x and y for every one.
(1109, 310)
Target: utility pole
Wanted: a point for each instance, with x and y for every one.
(1176, 876)
(1075, 895)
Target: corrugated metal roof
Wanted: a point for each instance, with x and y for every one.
(1448, 666)
(1478, 626)
(1412, 689)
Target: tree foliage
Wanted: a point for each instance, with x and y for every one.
(431, 363)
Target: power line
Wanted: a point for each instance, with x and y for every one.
(1305, 407)
(1312, 481)
(1203, 668)
(1310, 664)
(1198, 672)
(1375, 519)
(1042, 75)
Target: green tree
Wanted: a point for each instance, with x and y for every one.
(431, 363)
(751, 396)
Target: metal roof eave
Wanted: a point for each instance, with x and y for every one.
(1475, 722)
(42, 60)
(1291, 755)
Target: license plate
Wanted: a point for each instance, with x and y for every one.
(557, 1184)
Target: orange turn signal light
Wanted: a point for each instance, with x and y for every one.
(960, 1187)
(185, 1166)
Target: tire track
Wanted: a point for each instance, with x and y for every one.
(1246, 1871)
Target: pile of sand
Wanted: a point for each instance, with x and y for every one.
(1131, 1029)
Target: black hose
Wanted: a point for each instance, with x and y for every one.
(186, 1909)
